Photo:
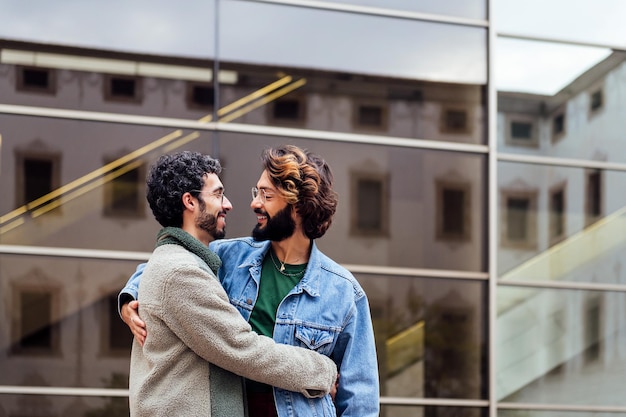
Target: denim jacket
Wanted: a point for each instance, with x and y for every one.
(327, 312)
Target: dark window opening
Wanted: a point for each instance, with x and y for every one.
(557, 209)
(597, 100)
(371, 116)
(36, 78)
(202, 95)
(36, 316)
(521, 130)
(370, 205)
(123, 87)
(120, 337)
(456, 120)
(453, 212)
(558, 124)
(287, 109)
(517, 219)
(37, 178)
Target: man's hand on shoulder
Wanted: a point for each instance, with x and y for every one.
(131, 317)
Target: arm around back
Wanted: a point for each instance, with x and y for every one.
(195, 307)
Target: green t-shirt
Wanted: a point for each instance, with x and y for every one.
(274, 287)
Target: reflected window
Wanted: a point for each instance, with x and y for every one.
(453, 211)
(557, 214)
(370, 116)
(200, 96)
(521, 131)
(596, 101)
(124, 193)
(289, 110)
(519, 222)
(455, 120)
(558, 126)
(117, 338)
(370, 205)
(592, 330)
(122, 88)
(37, 175)
(593, 197)
(35, 330)
(36, 80)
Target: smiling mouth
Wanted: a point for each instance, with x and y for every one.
(261, 218)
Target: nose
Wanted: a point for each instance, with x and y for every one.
(256, 202)
(226, 204)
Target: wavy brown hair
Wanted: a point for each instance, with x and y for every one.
(306, 181)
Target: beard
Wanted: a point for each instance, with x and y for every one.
(277, 228)
(208, 223)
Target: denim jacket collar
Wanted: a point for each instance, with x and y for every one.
(310, 282)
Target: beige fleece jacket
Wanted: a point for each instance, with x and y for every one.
(190, 323)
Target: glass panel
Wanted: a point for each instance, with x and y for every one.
(61, 405)
(292, 37)
(62, 326)
(58, 76)
(475, 9)
(577, 101)
(556, 413)
(144, 26)
(430, 336)
(560, 346)
(81, 184)
(411, 203)
(561, 224)
(431, 411)
(596, 22)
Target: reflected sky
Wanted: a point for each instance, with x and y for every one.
(256, 33)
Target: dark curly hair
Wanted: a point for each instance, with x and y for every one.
(306, 181)
(171, 177)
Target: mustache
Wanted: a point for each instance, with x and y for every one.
(260, 211)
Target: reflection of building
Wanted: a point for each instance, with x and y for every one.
(79, 127)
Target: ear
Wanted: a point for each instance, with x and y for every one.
(189, 201)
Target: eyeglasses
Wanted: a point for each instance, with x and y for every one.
(217, 194)
(259, 193)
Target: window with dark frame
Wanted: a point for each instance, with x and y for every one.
(123, 88)
(36, 79)
(592, 331)
(369, 201)
(124, 193)
(558, 126)
(593, 196)
(37, 178)
(596, 101)
(370, 116)
(521, 131)
(200, 96)
(369, 208)
(119, 338)
(518, 209)
(557, 214)
(287, 109)
(37, 174)
(453, 211)
(36, 331)
(455, 121)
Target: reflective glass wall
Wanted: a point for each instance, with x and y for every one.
(481, 215)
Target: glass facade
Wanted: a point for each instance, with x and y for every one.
(482, 214)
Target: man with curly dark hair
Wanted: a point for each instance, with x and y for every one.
(289, 290)
(196, 335)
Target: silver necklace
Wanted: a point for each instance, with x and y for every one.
(282, 267)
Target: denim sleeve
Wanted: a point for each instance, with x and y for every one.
(130, 291)
(358, 392)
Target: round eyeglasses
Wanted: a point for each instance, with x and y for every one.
(259, 193)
